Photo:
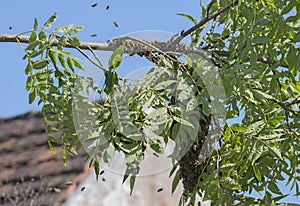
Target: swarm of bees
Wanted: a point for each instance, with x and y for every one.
(191, 166)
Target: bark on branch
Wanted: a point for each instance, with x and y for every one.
(83, 45)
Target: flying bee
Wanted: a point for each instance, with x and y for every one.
(181, 33)
(93, 35)
(107, 7)
(82, 189)
(101, 172)
(156, 155)
(94, 5)
(116, 24)
(160, 189)
(10, 28)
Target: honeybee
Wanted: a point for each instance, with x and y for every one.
(93, 35)
(116, 24)
(156, 155)
(160, 189)
(107, 7)
(94, 5)
(82, 189)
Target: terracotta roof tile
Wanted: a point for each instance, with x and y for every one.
(29, 172)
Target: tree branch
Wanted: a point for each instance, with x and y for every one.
(83, 45)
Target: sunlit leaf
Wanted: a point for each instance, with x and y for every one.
(50, 22)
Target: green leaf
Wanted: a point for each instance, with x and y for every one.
(70, 63)
(53, 139)
(36, 53)
(62, 43)
(111, 79)
(64, 156)
(274, 188)
(116, 58)
(52, 55)
(229, 183)
(256, 127)
(132, 181)
(35, 25)
(275, 150)
(32, 38)
(268, 199)
(71, 150)
(28, 68)
(157, 112)
(205, 107)
(96, 168)
(62, 60)
(64, 29)
(257, 153)
(296, 86)
(227, 135)
(50, 22)
(40, 64)
(257, 173)
(77, 63)
(164, 84)
(239, 128)
(173, 170)
(261, 40)
(126, 175)
(156, 145)
(109, 154)
(74, 30)
(52, 149)
(42, 36)
(175, 181)
(227, 167)
(183, 122)
(188, 17)
(32, 45)
(74, 41)
(28, 83)
(288, 7)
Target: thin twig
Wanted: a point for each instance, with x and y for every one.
(204, 21)
(92, 61)
(96, 56)
(286, 107)
(295, 101)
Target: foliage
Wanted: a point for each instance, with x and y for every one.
(254, 46)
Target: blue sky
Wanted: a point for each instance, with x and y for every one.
(131, 15)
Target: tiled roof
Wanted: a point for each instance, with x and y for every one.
(29, 172)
